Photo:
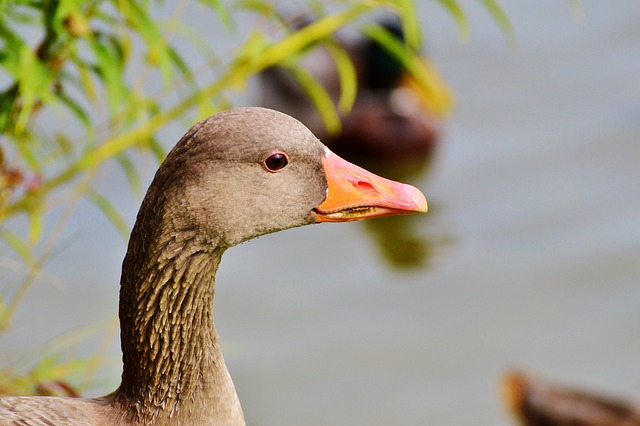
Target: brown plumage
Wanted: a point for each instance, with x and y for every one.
(214, 190)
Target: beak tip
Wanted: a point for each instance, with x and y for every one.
(421, 205)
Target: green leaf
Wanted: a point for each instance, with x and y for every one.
(318, 30)
(429, 87)
(34, 83)
(130, 171)
(346, 74)
(319, 96)
(10, 58)
(175, 58)
(84, 82)
(6, 103)
(157, 48)
(244, 63)
(409, 20)
(63, 9)
(221, 10)
(36, 225)
(501, 18)
(196, 39)
(28, 154)
(261, 7)
(74, 107)
(459, 17)
(16, 243)
(389, 42)
(64, 144)
(5, 314)
(20, 11)
(110, 212)
(157, 150)
(109, 69)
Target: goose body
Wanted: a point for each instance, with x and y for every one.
(234, 176)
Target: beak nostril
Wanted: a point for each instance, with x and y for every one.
(361, 184)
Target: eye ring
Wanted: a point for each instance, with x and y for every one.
(275, 162)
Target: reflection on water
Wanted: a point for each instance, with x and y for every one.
(401, 242)
(404, 242)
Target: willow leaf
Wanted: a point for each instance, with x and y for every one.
(430, 88)
(34, 83)
(346, 74)
(36, 225)
(28, 153)
(86, 82)
(5, 317)
(157, 150)
(130, 171)
(179, 63)
(313, 32)
(409, 20)
(459, 17)
(319, 97)
(498, 13)
(74, 107)
(195, 38)
(16, 243)
(157, 48)
(221, 10)
(64, 144)
(109, 70)
(263, 8)
(110, 212)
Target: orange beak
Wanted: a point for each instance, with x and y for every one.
(356, 194)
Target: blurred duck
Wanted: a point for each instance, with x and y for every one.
(390, 119)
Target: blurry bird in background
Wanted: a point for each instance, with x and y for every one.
(395, 117)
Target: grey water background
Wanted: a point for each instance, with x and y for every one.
(535, 247)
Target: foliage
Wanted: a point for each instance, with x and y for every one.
(116, 70)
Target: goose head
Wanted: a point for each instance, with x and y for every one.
(247, 172)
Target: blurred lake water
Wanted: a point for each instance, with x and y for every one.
(533, 239)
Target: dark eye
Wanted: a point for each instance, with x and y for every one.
(276, 161)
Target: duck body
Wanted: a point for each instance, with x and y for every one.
(236, 175)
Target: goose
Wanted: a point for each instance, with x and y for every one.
(237, 175)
